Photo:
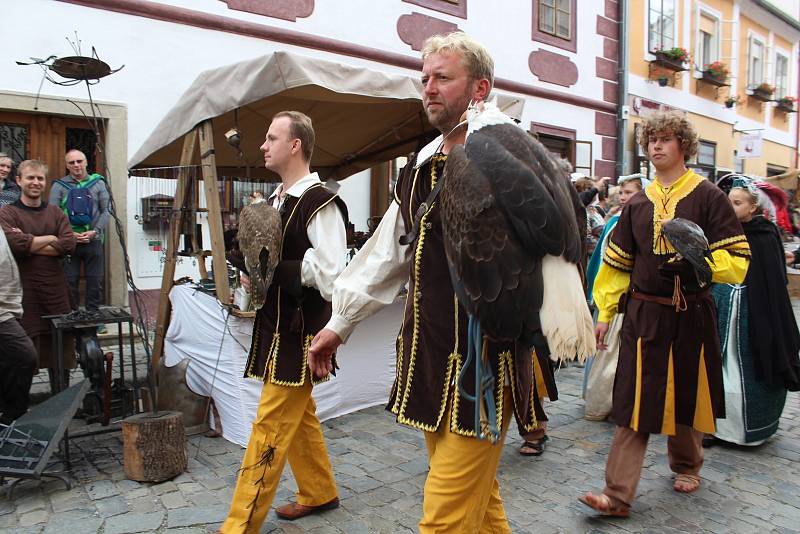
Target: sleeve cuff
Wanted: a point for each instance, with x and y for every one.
(604, 316)
(341, 326)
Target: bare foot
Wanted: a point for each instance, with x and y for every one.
(604, 505)
(686, 483)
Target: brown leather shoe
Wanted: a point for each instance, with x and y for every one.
(292, 510)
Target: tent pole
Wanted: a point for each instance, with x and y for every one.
(208, 160)
(168, 278)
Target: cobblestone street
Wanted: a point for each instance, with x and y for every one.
(380, 468)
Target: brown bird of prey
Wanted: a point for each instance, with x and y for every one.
(513, 249)
(512, 239)
(260, 238)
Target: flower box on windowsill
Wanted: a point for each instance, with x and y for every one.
(786, 107)
(668, 63)
(719, 81)
(760, 94)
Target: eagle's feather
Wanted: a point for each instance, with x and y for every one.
(260, 237)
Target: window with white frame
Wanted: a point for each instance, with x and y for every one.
(707, 40)
(661, 25)
(781, 75)
(555, 17)
(755, 62)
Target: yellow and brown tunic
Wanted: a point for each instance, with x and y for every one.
(670, 368)
(433, 338)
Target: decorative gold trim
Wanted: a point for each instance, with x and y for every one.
(613, 264)
(402, 419)
(621, 253)
(411, 195)
(319, 208)
(415, 296)
(665, 201)
(729, 240)
(612, 255)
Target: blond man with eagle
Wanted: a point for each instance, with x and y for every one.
(491, 266)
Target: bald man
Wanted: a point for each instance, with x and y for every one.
(89, 233)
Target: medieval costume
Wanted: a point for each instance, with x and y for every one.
(296, 307)
(461, 490)
(44, 286)
(760, 341)
(669, 374)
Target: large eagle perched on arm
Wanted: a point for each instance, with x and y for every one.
(512, 240)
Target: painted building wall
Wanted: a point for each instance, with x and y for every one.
(163, 57)
(703, 102)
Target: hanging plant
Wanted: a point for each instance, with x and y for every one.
(787, 103)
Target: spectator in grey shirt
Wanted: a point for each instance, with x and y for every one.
(18, 358)
(91, 237)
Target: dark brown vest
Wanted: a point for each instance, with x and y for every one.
(432, 343)
(292, 315)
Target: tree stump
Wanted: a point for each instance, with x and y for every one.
(154, 446)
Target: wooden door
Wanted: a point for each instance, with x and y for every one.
(47, 138)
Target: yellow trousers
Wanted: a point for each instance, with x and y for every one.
(462, 495)
(286, 427)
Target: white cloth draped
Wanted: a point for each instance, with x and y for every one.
(197, 331)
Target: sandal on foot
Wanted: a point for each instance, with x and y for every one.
(686, 483)
(533, 448)
(604, 504)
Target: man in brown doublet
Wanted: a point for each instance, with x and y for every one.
(296, 307)
(461, 491)
(669, 374)
(39, 235)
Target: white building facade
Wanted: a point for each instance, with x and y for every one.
(559, 57)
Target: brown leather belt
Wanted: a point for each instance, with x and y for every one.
(668, 301)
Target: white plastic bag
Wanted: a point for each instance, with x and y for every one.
(600, 381)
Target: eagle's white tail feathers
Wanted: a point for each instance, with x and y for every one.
(566, 322)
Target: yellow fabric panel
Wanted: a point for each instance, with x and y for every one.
(609, 285)
(541, 387)
(668, 422)
(727, 268)
(703, 414)
(638, 399)
(665, 200)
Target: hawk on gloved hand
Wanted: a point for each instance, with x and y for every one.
(260, 238)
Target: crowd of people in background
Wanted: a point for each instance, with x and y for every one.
(44, 241)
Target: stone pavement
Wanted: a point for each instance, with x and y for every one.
(380, 468)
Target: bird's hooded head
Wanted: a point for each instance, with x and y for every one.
(480, 114)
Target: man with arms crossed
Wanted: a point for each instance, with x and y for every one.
(40, 236)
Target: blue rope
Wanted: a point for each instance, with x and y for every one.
(484, 381)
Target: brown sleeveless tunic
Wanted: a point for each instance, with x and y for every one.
(432, 343)
(292, 314)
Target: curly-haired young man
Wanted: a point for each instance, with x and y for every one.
(669, 375)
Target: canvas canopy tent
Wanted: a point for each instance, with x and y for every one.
(362, 117)
(786, 180)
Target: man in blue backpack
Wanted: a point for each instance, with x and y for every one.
(85, 200)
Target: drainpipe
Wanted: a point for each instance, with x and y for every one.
(622, 86)
(797, 123)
